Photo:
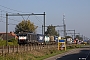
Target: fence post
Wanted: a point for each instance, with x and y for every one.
(40, 46)
(43, 46)
(13, 48)
(25, 47)
(17, 48)
(30, 47)
(21, 48)
(37, 46)
(47, 45)
(8, 49)
(2, 50)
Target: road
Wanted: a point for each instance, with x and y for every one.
(74, 54)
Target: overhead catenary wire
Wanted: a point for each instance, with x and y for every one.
(9, 23)
(5, 22)
(10, 19)
(18, 11)
(11, 9)
(39, 20)
(5, 11)
(1, 15)
(24, 18)
(5, 17)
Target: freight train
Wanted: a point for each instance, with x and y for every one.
(32, 38)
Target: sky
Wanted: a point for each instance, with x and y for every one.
(77, 14)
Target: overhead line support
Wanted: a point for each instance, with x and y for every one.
(19, 15)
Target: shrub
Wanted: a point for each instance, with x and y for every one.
(10, 42)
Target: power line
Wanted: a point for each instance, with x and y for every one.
(1, 15)
(39, 20)
(9, 23)
(10, 19)
(17, 11)
(11, 9)
(5, 11)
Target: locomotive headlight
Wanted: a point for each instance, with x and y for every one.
(22, 37)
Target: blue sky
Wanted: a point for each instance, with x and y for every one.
(77, 13)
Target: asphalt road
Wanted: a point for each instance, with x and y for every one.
(75, 54)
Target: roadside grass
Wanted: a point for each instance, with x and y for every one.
(32, 55)
(37, 54)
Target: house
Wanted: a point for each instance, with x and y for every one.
(10, 35)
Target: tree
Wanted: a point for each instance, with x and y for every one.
(68, 37)
(51, 31)
(25, 26)
(80, 38)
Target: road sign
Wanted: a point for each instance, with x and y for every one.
(61, 44)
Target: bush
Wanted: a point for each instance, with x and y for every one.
(2, 42)
(10, 42)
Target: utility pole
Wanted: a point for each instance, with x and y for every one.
(42, 29)
(58, 32)
(6, 29)
(70, 30)
(44, 24)
(74, 34)
(82, 37)
(20, 15)
(64, 25)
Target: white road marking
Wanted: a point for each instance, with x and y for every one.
(82, 58)
(86, 56)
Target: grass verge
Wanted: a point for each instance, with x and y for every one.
(37, 54)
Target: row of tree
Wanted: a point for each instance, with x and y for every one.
(27, 26)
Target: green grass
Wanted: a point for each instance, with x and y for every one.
(50, 55)
(33, 55)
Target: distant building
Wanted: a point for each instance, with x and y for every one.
(10, 35)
